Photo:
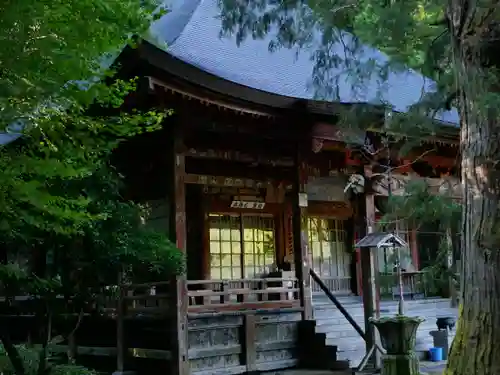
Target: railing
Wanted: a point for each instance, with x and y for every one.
(119, 302)
(139, 299)
(337, 304)
(223, 295)
(375, 347)
(336, 285)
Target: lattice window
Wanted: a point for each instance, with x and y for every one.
(327, 247)
(225, 247)
(227, 261)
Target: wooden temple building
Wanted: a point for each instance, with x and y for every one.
(258, 190)
(258, 184)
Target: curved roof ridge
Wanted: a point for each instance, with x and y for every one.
(169, 27)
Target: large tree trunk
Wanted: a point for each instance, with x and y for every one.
(476, 347)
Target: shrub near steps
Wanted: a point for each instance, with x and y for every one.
(351, 347)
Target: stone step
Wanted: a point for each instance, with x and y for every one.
(359, 313)
(354, 350)
(325, 302)
(346, 342)
(338, 331)
(430, 318)
(332, 324)
(413, 307)
(386, 304)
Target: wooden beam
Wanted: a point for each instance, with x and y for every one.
(112, 351)
(223, 181)
(300, 238)
(234, 155)
(179, 338)
(155, 83)
(339, 210)
(446, 185)
(369, 277)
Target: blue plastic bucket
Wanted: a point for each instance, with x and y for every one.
(436, 354)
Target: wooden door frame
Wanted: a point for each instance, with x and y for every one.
(348, 239)
(220, 207)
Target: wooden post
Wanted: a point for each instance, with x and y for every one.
(370, 289)
(369, 277)
(179, 338)
(300, 239)
(249, 346)
(359, 233)
(370, 227)
(121, 346)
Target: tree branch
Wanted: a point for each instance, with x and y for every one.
(410, 163)
(71, 339)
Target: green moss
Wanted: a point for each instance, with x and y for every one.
(397, 319)
(406, 364)
(472, 349)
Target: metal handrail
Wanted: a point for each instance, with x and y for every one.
(337, 304)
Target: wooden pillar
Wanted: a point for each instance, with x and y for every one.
(371, 219)
(369, 201)
(359, 233)
(179, 339)
(369, 276)
(121, 345)
(300, 239)
(370, 291)
(249, 343)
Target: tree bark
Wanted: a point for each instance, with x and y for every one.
(477, 342)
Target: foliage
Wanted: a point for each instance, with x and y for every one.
(115, 240)
(79, 266)
(54, 63)
(453, 42)
(421, 208)
(68, 146)
(65, 228)
(339, 35)
(30, 356)
(418, 205)
(121, 238)
(55, 54)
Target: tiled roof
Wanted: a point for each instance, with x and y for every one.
(7, 138)
(192, 32)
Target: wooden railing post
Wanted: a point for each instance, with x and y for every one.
(178, 338)
(121, 346)
(263, 286)
(249, 347)
(224, 287)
